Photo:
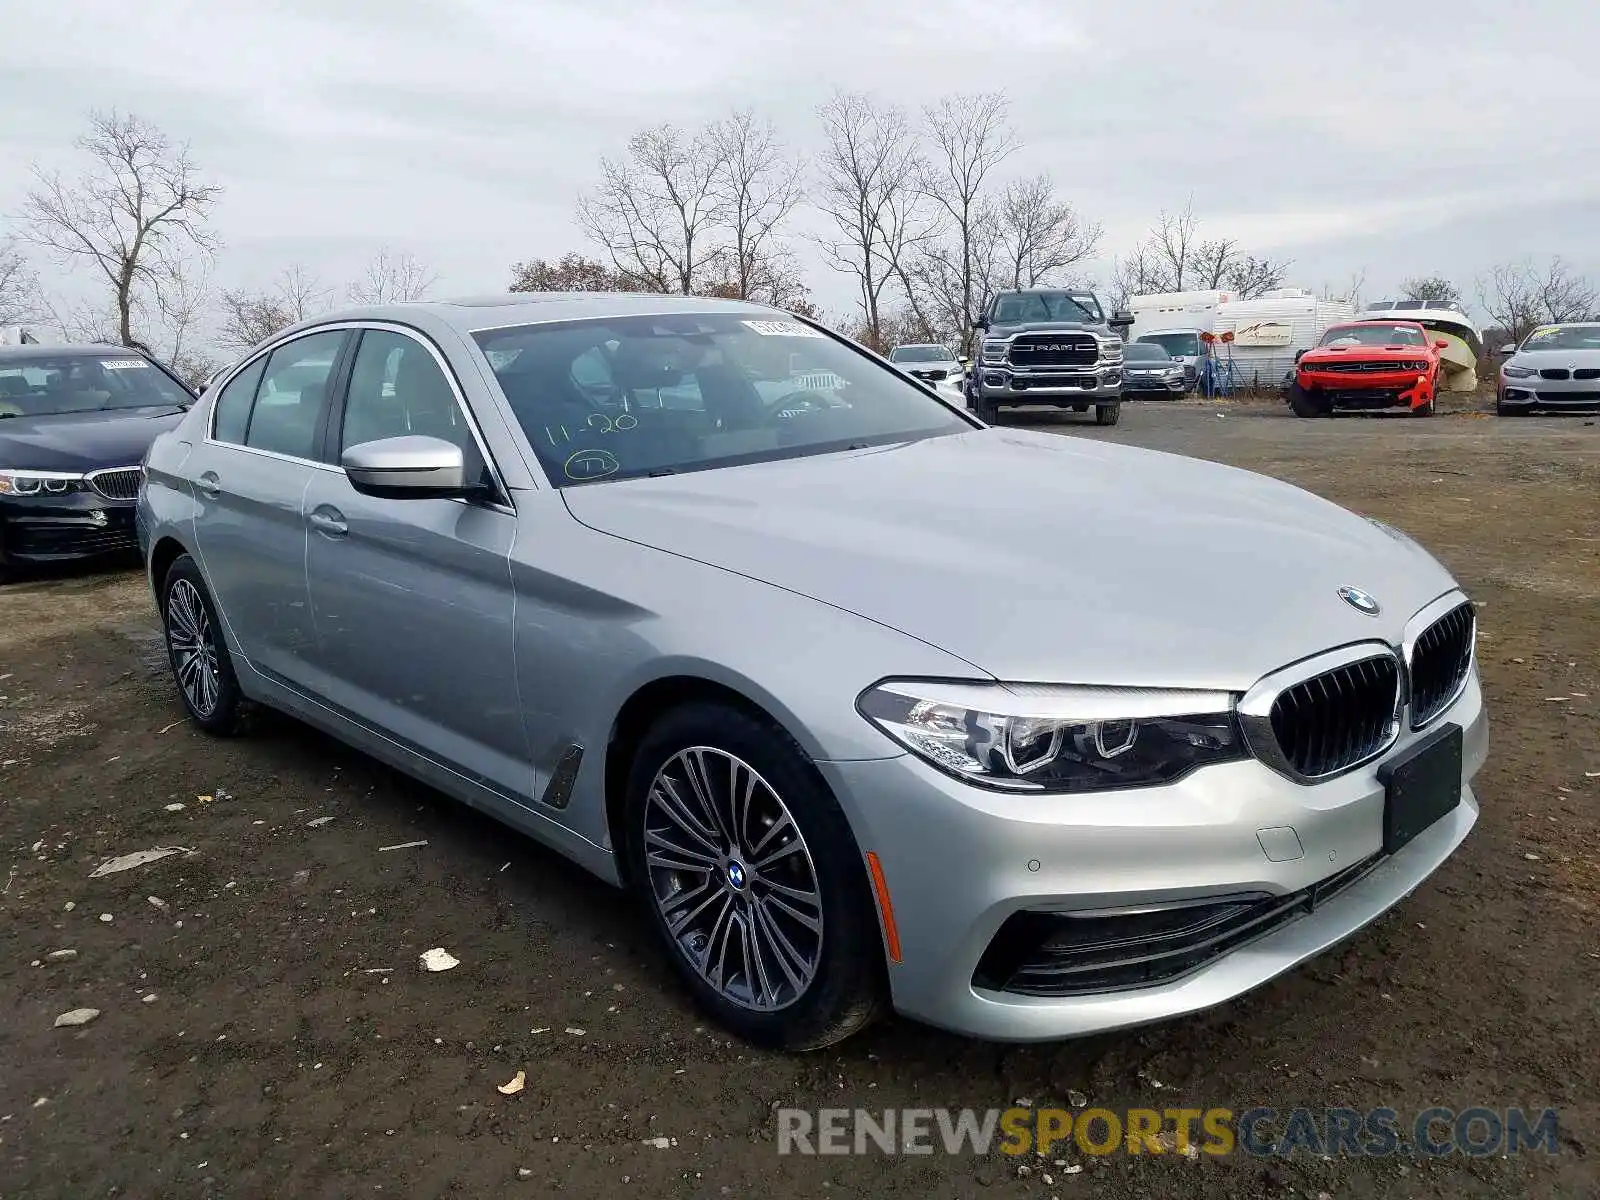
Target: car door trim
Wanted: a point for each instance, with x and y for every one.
(338, 386)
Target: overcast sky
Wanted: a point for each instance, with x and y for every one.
(1393, 138)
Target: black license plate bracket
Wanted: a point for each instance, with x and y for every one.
(1421, 786)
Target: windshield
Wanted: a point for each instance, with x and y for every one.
(1374, 335)
(1015, 308)
(47, 384)
(617, 398)
(1564, 337)
(1144, 352)
(920, 354)
(1175, 344)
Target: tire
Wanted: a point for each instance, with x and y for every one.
(1304, 404)
(988, 411)
(834, 984)
(1107, 414)
(208, 688)
(1425, 410)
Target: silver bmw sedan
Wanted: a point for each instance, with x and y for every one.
(871, 704)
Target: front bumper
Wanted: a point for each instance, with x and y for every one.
(1134, 384)
(1577, 394)
(1372, 392)
(1060, 386)
(78, 525)
(959, 862)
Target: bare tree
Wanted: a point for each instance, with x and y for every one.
(867, 184)
(1348, 292)
(656, 211)
(755, 185)
(251, 316)
(133, 215)
(392, 278)
(1520, 296)
(19, 285)
(1175, 258)
(1432, 287)
(180, 301)
(1042, 236)
(970, 136)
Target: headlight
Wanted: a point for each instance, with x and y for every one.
(1175, 370)
(1050, 739)
(994, 352)
(1518, 371)
(38, 483)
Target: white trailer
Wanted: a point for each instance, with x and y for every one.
(1270, 329)
(1165, 311)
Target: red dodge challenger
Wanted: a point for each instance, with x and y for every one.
(1368, 366)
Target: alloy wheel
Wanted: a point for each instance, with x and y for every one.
(733, 878)
(193, 647)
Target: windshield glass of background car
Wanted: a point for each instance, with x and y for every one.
(1144, 352)
(1014, 308)
(1373, 335)
(629, 396)
(1174, 343)
(1564, 337)
(51, 385)
(919, 354)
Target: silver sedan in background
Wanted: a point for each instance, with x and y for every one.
(694, 593)
(1557, 367)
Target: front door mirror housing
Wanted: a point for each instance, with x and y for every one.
(411, 467)
(1509, 348)
(1121, 320)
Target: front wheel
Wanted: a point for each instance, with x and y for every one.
(1107, 414)
(1304, 404)
(752, 879)
(199, 657)
(988, 410)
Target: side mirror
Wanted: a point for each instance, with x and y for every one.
(1120, 320)
(406, 468)
(1509, 348)
(1299, 354)
(981, 323)
(963, 359)
(1441, 344)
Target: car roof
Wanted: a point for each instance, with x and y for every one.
(474, 313)
(92, 350)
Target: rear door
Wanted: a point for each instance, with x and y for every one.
(412, 599)
(249, 476)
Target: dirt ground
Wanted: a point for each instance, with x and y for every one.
(266, 1030)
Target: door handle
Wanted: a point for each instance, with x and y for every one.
(209, 483)
(329, 521)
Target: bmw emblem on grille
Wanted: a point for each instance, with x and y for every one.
(1359, 600)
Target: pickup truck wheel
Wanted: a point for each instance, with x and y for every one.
(988, 411)
(1107, 414)
(1304, 404)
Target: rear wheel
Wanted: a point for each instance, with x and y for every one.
(199, 657)
(752, 879)
(1107, 414)
(1304, 404)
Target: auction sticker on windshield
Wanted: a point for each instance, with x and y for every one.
(782, 329)
(123, 364)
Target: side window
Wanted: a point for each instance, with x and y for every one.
(397, 388)
(232, 405)
(289, 400)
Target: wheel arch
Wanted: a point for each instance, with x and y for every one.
(640, 711)
(163, 554)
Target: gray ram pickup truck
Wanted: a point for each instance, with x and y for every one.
(1050, 346)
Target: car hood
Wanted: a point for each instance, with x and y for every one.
(1037, 557)
(1556, 358)
(1380, 353)
(1001, 331)
(83, 441)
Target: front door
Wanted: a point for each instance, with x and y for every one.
(249, 477)
(411, 599)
